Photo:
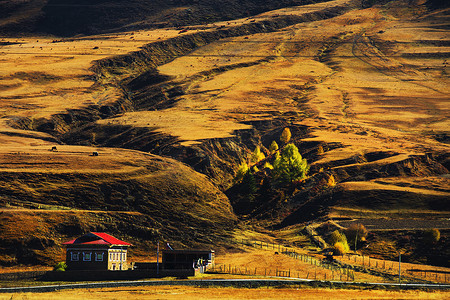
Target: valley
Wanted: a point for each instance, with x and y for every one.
(172, 112)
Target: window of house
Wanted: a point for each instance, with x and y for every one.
(87, 256)
(74, 256)
(99, 256)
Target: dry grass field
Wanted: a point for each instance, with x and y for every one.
(166, 292)
(371, 83)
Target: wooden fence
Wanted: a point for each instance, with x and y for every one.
(334, 272)
(392, 267)
(316, 274)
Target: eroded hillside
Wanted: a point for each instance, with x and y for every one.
(364, 92)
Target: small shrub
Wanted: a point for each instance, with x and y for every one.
(331, 181)
(320, 150)
(431, 236)
(336, 236)
(60, 267)
(340, 248)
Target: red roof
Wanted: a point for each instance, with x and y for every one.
(97, 238)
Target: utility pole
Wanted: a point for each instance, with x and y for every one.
(157, 259)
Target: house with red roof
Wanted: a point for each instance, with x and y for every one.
(96, 251)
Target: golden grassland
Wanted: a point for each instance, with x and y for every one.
(361, 91)
(349, 74)
(172, 292)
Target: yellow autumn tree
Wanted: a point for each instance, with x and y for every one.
(285, 136)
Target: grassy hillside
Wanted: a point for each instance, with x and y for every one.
(363, 91)
(48, 196)
(68, 18)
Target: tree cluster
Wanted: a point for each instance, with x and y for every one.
(270, 169)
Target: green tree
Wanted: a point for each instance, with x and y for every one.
(273, 147)
(289, 166)
(285, 136)
(248, 186)
(242, 170)
(267, 165)
(257, 155)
